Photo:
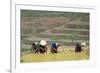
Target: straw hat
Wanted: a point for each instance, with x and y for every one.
(43, 42)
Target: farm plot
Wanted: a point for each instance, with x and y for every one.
(65, 54)
(65, 28)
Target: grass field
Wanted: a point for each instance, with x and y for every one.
(64, 54)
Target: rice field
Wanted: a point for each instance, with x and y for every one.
(65, 54)
(63, 27)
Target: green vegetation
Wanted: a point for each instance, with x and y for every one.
(57, 36)
(74, 26)
(29, 14)
(25, 49)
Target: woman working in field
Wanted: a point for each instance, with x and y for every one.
(39, 47)
(35, 47)
(54, 47)
(78, 46)
(43, 48)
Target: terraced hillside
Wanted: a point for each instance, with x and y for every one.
(63, 27)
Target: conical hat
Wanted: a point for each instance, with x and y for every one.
(43, 42)
(83, 44)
